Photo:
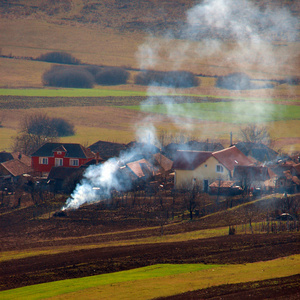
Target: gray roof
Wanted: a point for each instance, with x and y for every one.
(72, 150)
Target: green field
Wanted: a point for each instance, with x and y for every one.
(156, 280)
(69, 92)
(232, 112)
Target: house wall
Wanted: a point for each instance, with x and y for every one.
(206, 171)
(45, 168)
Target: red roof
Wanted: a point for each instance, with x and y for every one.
(190, 160)
(16, 168)
(22, 157)
(143, 168)
(162, 161)
(232, 157)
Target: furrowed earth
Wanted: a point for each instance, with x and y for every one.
(93, 240)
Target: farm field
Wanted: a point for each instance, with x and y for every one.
(114, 118)
(138, 244)
(158, 280)
(41, 248)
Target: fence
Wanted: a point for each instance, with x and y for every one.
(266, 227)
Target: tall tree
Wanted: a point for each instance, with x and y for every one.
(35, 131)
(255, 134)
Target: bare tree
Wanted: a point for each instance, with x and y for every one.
(37, 129)
(255, 134)
(191, 198)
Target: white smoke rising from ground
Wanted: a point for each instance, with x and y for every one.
(211, 23)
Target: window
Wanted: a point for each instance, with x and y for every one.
(43, 160)
(219, 169)
(74, 162)
(58, 162)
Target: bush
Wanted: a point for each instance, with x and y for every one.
(292, 80)
(175, 79)
(93, 69)
(112, 76)
(234, 81)
(42, 124)
(59, 76)
(62, 127)
(59, 57)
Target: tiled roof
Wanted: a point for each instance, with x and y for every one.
(16, 168)
(232, 157)
(292, 178)
(251, 172)
(107, 149)
(221, 184)
(297, 169)
(190, 160)
(164, 162)
(259, 151)
(171, 149)
(22, 157)
(73, 150)
(143, 168)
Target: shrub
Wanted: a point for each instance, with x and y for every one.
(292, 80)
(175, 79)
(112, 76)
(68, 77)
(62, 127)
(234, 81)
(93, 69)
(59, 57)
(42, 124)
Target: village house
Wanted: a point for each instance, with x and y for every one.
(202, 168)
(13, 170)
(171, 149)
(60, 155)
(255, 178)
(258, 151)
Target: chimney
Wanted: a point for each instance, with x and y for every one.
(97, 158)
(230, 138)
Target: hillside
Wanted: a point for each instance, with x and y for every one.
(120, 15)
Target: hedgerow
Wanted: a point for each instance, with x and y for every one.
(175, 79)
(59, 58)
(234, 81)
(62, 76)
(112, 76)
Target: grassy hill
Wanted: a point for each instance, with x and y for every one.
(130, 34)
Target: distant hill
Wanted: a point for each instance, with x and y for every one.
(121, 15)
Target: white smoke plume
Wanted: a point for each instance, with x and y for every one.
(211, 24)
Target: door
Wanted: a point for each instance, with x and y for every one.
(58, 162)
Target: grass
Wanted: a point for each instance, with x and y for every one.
(6, 139)
(157, 280)
(46, 92)
(233, 112)
(117, 91)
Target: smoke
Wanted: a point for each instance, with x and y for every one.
(100, 180)
(237, 33)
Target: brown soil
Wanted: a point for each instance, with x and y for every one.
(24, 229)
(228, 249)
(266, 289)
